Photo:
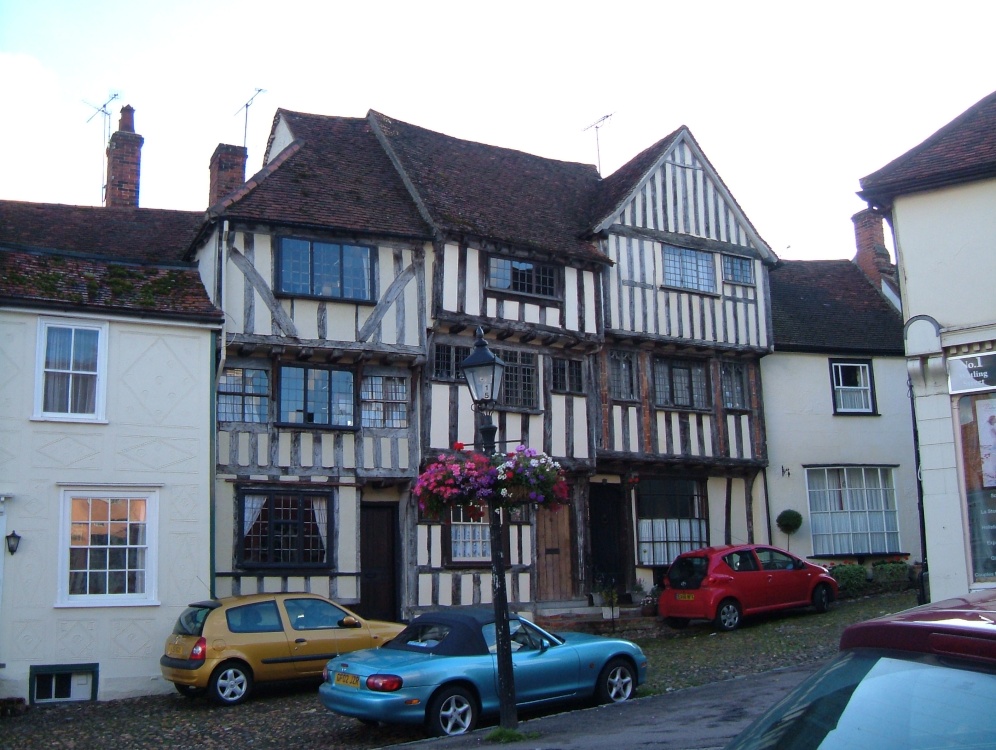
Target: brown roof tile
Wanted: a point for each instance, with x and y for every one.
(961, 151)
(147, 234)
(334, 175)
(111, 260)
(831, 306)
(616, 188)
(496, 193)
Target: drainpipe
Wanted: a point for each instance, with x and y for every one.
(922, 596)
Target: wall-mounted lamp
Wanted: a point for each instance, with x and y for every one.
(13, 540)
(786, 472)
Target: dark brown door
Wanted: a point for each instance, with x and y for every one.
(379, 561)
(554, 554)
(607, 520)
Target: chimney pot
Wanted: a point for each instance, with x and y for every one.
(127, 122)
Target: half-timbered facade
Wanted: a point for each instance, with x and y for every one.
(354, 270)
(319, 264)
(509, 254)
(685, 319)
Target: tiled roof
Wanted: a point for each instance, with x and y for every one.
(496, 193)
(334, 175)
(961, 151)
(831, 306)
(145, 234)
(616, 188)
(96, 259)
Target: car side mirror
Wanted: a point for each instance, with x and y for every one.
(349, 622)
(544, 644)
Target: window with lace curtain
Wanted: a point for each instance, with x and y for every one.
(852, 510)
(284, 529)
(470, 538)
(853, 386)
(672, 517)
(71, 370)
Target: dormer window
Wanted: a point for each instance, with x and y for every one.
(522, 277)
(325, 269)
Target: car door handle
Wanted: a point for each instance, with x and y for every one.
(301, 640)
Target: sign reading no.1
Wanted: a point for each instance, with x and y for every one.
(973, 373)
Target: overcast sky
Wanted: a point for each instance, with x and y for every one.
(792, 102)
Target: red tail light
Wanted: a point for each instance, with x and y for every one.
(199, 651)
(384, 683)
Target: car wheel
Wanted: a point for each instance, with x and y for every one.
(822, 598)
(616, 682)
(188, 691)
(728, 615)
(452, 711)
(678, 623)
(230, 684)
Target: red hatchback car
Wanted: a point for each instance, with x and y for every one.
(724, 584)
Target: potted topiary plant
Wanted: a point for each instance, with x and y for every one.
(789, 522)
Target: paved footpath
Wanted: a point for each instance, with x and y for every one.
(700, 718)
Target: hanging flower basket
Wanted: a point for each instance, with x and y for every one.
(473, 481)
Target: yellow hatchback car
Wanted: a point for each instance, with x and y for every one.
(225, 646)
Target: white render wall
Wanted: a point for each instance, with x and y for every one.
(946, 245)
(946, 248)
(802, 430)
(157, 436)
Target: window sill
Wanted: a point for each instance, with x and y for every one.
(320, 298)
(536, 299)
(314, 426)
(69, 419)
(688, 290)
(105, 601)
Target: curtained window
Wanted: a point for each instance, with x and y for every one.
(71, 369)
(283, 529)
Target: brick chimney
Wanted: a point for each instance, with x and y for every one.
(228, 171)
(872, 256)
(124, 160)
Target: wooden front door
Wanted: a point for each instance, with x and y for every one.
(554, 555)
(379, 561)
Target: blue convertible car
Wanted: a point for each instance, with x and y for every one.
(441, 671)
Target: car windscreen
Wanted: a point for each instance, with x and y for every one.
(191, 621)
(881, 700)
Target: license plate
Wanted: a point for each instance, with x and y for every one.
(174, 649)
(349, 680)
(685, 597)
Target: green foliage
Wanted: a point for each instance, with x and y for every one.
(891, 575)
(789, 521)
(852, 579)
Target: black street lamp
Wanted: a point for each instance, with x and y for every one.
(484, 372)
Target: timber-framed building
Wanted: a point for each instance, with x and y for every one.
(353, 270)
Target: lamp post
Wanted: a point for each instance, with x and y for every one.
(484, 372)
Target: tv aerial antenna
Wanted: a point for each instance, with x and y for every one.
(245, 131)
(597, 125)
(105, 132)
